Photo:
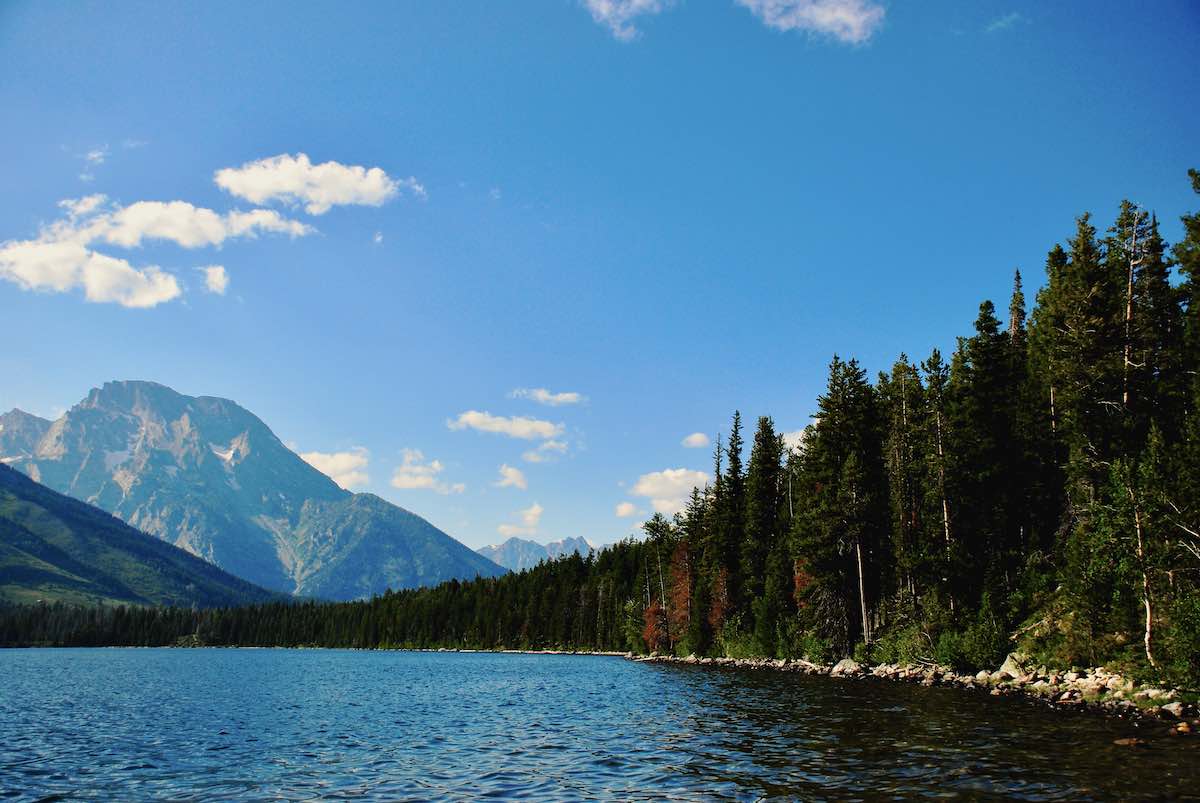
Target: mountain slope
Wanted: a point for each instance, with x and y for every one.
(210, 477)
(519, 554)
(19, 434)
(55, 548)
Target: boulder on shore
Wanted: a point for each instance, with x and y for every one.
(1012, 667)
(1173, 709)
(846, 666)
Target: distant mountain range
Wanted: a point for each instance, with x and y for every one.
(208, 476)
(519, 554)
(57, 549)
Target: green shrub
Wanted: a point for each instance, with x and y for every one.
(815, 649)
(862, 653)
(901, 645)
(736, 642)
(984, 643)
(949, 650)
(1183, 641)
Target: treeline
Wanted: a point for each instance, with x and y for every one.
(592, 603)
(1040, 487)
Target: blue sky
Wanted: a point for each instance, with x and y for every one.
(671, 210)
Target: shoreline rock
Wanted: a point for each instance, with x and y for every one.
(1092, 690)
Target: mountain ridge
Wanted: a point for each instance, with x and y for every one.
(518, 554)
(209, 476)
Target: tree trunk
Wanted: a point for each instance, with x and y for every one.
(1129, 318)
(662, 590)
(1141, 556)
(862, 593)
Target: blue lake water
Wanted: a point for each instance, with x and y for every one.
(210, 724)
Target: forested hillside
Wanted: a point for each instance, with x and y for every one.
(57, 549)
(1040, 487)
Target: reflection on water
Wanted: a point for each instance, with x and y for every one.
(297, 725)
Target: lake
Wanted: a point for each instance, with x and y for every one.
(212, 724)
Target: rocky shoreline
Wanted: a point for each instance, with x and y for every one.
(1092, 689)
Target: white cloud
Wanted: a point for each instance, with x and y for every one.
(92, 219)
(296, 180)
(530, 517)
(511, 477)
(59, 267)
(793, 440)
(513, 427)
(543, 396)
(96, 156)
(1005, 22)
(697, 440)
(216, 280)
(347, 469)
(61, 258)
(618, 15)
(415, 474)
(82, 207)
(186, 225)
(626, 509)
(545, 453)
(378, 238)
(668, 490)
(851, 21)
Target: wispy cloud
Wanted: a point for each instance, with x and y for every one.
(618, 15)
(511, 477)
(543, 396)
(530, 517)
(697, 440)
(216, 280)
(416, 474)
(545, 452)
(848, 21)
(625, 510)
(319, 187)
(1005, 22)
(513, 426)
(668, 490)
(348, 469)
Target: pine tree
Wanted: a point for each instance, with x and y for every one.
(902, 397)
(940, 502)
(982, 413)
(840, 534)
(733, 517)
(764, 501)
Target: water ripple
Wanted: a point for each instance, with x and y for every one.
(186, 725)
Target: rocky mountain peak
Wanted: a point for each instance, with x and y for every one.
(209, 476)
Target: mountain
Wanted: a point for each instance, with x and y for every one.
(518, 554)
(55, 548)
(207, 475)
(19, 434)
